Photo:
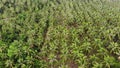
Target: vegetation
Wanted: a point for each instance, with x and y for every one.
(59, 34)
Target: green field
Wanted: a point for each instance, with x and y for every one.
(59, 34)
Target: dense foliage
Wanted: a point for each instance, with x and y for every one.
(59, 34)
